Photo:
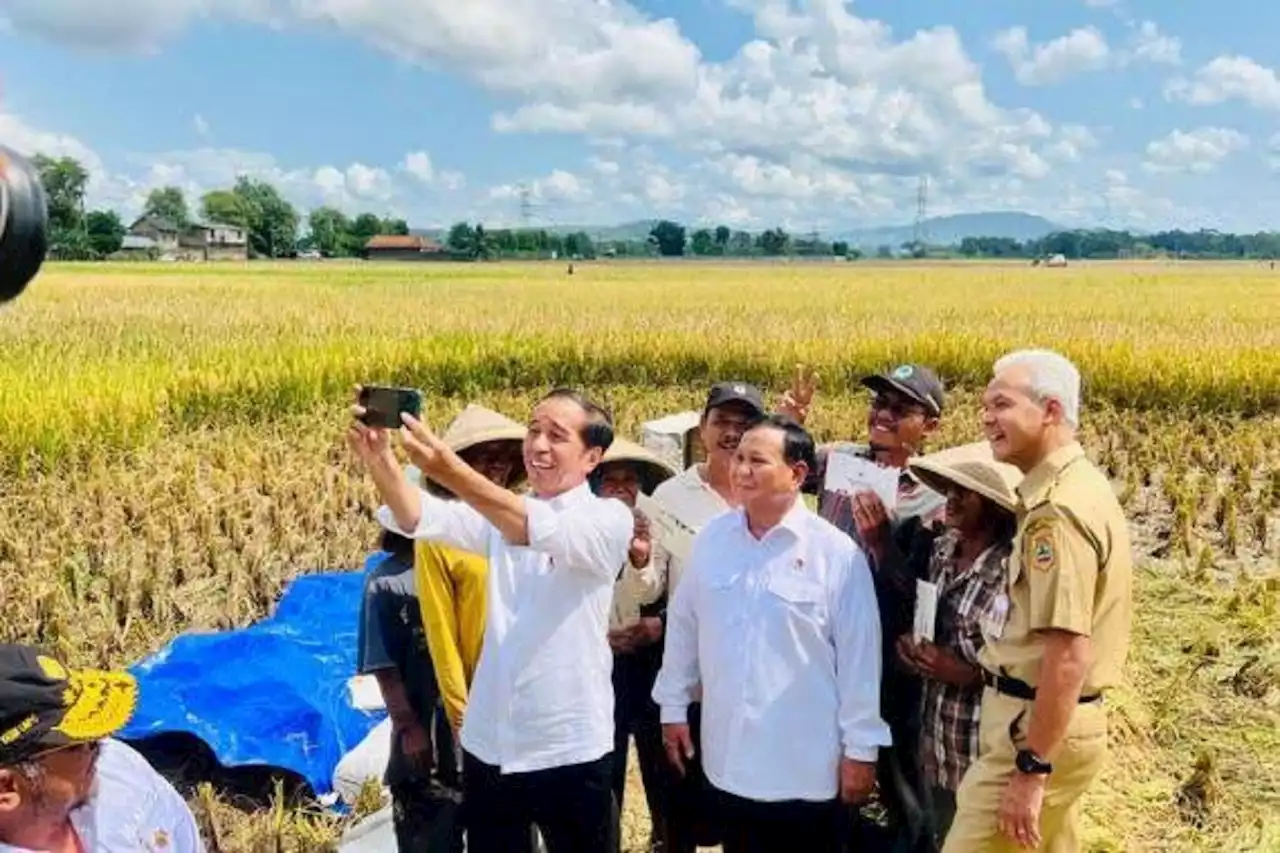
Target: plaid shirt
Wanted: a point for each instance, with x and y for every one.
(949, 715)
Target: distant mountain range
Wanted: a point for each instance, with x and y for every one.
(941, 230)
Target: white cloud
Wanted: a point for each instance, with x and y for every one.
(565, 49)
(418, 164)
(1198, 151)
(1148, 44)
(1273, 153)
(1229, 78)
(201, 126)
(1080, 50)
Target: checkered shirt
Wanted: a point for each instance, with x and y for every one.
(949, 715)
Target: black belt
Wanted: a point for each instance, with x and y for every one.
(1019, 689)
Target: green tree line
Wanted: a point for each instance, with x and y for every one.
(275, 230)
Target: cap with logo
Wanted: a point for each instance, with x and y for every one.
(916, 381)
(723, 393)
(44, 705)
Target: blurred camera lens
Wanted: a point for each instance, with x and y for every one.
(24, 223)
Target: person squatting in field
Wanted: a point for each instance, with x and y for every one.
(906, 409)
(421, 621)
(537, 735)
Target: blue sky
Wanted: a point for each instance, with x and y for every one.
(805, 113)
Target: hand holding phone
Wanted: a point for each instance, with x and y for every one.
(382, 405)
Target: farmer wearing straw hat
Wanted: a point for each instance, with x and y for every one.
(964, 573)
(443, 599)
(65, 783)
(630, 473)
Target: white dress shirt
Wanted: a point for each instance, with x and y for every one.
(687, 503)
(783, 633)
(132, 809)
(542, 694)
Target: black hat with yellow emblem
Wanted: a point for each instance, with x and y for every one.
(44, 705)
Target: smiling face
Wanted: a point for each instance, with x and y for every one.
(723, 427)
(763, 480)
(620, 480)
(895, 422)
(1015, 422)
(556, 456)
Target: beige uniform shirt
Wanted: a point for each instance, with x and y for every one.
(1071, 569)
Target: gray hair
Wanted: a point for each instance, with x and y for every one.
(1052, 377)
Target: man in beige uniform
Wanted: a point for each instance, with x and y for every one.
(1059, 640)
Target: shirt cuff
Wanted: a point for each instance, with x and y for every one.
(543, 521)
(387, 519)
(674, 714)
(868, 754)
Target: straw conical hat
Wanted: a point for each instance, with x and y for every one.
(477, 425)
(653, 469)
(970, 466)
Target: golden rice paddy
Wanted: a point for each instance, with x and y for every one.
(171, 455)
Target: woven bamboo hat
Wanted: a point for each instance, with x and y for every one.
(653, 469)
(476, 425)
(972, 467)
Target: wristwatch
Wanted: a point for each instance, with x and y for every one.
(1030, 763)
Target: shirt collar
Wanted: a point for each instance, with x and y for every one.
(576, 495)
(1037, 481)
(793, 521)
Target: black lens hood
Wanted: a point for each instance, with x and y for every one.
(24, 223)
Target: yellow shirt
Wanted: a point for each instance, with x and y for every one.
(1071, 569)
(451, 594)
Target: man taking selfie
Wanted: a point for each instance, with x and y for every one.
(537, 737)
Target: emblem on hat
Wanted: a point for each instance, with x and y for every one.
(739, 389)
(903, 372)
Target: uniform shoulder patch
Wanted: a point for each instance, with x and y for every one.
(1040, 553)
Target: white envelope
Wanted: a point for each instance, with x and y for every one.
(852, 474)
(926, 615)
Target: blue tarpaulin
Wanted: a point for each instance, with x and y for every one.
(274, 693)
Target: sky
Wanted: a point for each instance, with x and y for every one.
(806, 114)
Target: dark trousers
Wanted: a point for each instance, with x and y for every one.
(942, 813)
(781, 827)
(692, 808)
(635, 714)
(572, 807)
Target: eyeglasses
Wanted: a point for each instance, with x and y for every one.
(896, 406)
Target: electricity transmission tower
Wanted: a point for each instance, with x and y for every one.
(920, 233)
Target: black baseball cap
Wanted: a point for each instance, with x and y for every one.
(915, 381)
(723, 393)
(44, 705)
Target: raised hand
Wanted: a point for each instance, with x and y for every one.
(796, 400)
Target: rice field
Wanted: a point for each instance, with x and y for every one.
(171, 455)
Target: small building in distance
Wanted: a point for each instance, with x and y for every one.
(397, 247)
(199, 241)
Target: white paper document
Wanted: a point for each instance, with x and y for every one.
(926, 611)
(852, 474)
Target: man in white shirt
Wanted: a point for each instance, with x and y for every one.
(65, 785)
(537, 736)
(688, 502)
(776, 618)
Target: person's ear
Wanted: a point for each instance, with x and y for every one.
(10, 797)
